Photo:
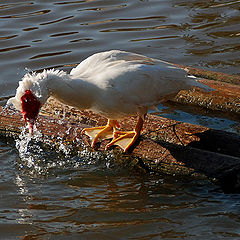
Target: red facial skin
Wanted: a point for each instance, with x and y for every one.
(30, 109)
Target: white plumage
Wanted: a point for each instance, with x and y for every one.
(114, 84)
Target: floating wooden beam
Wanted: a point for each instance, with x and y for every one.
(165, 146)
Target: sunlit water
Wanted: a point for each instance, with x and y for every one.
(57, 197)
(46, 194)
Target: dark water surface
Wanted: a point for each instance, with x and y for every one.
(47, 196)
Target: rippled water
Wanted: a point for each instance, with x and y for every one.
(45, 195)
(80, 199)
(43, 34)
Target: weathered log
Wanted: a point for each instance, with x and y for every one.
(212, 75)
(165, 146)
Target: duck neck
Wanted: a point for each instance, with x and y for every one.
(74, 92)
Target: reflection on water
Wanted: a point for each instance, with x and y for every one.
(196, 115)
(44, 34)
(99, 201)
(46, 195)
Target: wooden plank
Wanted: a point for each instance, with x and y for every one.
(165, 146)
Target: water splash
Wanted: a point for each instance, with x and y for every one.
(34, 158)
(27, 149)
(61, 114)
(38, 157)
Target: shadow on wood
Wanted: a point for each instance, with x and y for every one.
(218, 166)
(165, 146)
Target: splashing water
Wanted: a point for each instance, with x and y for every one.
(61, 115)
(38, 156)
(27, 149)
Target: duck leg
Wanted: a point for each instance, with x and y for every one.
(126, 139)
(101, 133)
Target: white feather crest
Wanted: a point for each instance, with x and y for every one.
(37, 83)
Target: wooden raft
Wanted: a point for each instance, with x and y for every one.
(165, 146)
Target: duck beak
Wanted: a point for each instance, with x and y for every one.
(30, 126)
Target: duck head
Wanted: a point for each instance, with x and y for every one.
(30, 109)
(31, 95)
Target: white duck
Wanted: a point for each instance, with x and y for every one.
(114, 84)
